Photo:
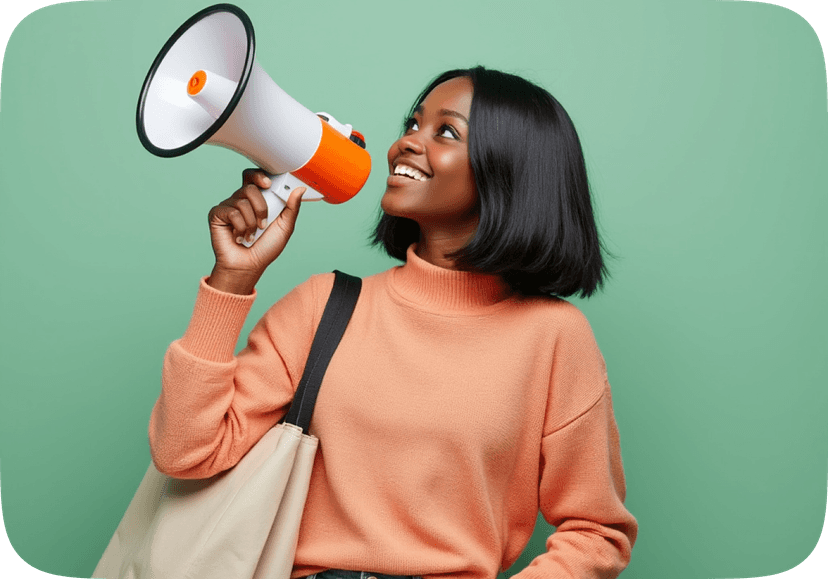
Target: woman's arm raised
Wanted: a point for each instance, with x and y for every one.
(214, 406)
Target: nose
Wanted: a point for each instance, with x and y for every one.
(411, 144)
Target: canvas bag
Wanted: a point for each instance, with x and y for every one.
(244, 522)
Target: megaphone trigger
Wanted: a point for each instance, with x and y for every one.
(276, 197)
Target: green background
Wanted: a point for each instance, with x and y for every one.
(704, 128)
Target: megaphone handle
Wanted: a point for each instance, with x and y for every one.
(275, 203)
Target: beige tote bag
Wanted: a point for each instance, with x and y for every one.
(242, 523)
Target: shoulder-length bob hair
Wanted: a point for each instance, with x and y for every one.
(536, 227)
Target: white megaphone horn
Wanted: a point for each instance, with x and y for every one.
(206, 87)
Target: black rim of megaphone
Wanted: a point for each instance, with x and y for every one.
(248, 66)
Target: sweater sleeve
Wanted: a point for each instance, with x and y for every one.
(582, 486)
(215, 406)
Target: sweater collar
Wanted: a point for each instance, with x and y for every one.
(425, 284)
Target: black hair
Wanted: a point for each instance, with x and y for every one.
(536, 228)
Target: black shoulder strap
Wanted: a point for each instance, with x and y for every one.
(332, 326)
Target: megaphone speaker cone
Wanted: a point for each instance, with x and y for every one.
(219, 40)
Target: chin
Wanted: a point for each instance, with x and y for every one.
(387, 203)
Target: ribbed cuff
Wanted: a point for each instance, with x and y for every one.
(218, 318)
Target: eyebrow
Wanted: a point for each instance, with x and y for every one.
(445, 112)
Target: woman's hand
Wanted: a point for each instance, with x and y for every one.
(235, 219)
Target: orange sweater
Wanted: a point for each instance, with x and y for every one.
(451, 413)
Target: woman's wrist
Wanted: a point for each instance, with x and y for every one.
(233, 282)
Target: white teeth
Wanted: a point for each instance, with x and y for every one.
(410, 171)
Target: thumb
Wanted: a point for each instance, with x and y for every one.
(291, 209)
(276, 236)
(287, 218)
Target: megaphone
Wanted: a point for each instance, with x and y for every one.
(205, 86)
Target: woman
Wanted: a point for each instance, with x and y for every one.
(463, 397)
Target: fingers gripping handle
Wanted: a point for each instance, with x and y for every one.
(276, 197)
(275, 204)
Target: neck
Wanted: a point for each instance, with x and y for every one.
(436, 244)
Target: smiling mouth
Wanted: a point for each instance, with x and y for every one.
(409, 172)
(406, 178)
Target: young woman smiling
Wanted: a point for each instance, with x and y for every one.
(466, 395)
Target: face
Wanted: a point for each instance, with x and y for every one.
(431, 179)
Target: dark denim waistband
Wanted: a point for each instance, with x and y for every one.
(342, 574)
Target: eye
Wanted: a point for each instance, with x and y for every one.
(411, 125)
(448, 132)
